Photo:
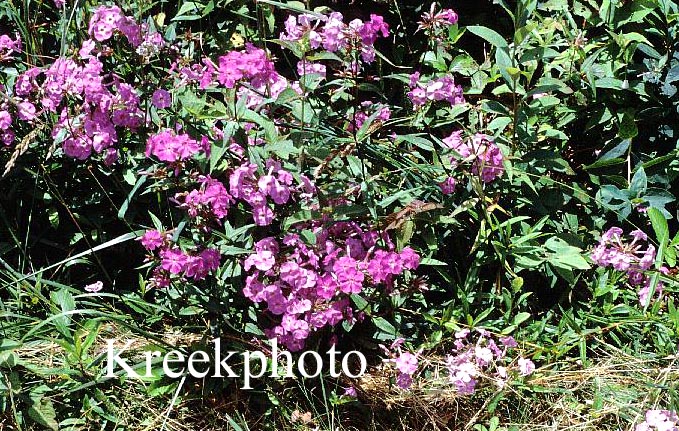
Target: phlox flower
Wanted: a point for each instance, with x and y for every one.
(526, 366)
(448, 186)
(5, 120)
(659, 420)
(170, 147)
(173, 260)
(152, 239)
(437, 89)
(480, 151)
(161, 98)
(94, 287)
(350, 391)
(8, 45)
(310, 282)
(262, 260)
(628, 256)
(406, 363)
(26, 111)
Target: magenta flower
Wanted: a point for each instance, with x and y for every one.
(263, 260)
(152, 239)
(481, 151)
(307, 68)
(404, 381)
(409, 258)
(406, 363)
(448, 186)
(350, 391)
(9, 46)
(630, 257)
(5, 120)
(161, 98)
(351, 281)
(173, 260)
(659, 420)
(509, 341)
(437, 89)
(170, 147)
(26, 111)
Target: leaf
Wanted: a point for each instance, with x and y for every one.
(42, 411)
(617, 151)
(183, 13)
(428, 261)
(565, 255)
(639, 182)
(628, 128)
(384, 326)
(53, 215)
(192, 103)
(123, 208)
(659, 223)
(360, 303)
(64, 300)
(491, 36)
(521, 317)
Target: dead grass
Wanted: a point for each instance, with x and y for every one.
(610, 394)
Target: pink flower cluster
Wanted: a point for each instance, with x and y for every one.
(6, 132)
(93, 125)
(252, 65)
(629, 257)
(308, 285)
(209, 202)
(171, 147)
(107, 20)
(333, 35)
(436, 23)
(481, 151)
(471, 360)
(251, 69)
(307, 68)
(9, 46)
(276, 184)
(406, 363)
(443, 88)
(174, 261)
(91, 104)
(367, 109)
(659, 420)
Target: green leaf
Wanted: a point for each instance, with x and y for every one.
(192, 103)
(123, 208)
(565, 255)
(360, 303)
(659, 223)
(520, 318)
(491, 36)
(628, 128)
(42, 411)
(384, 326)
(53, 215)
(66, 303)
(639, 181)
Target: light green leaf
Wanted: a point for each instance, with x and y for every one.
(491, 36)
